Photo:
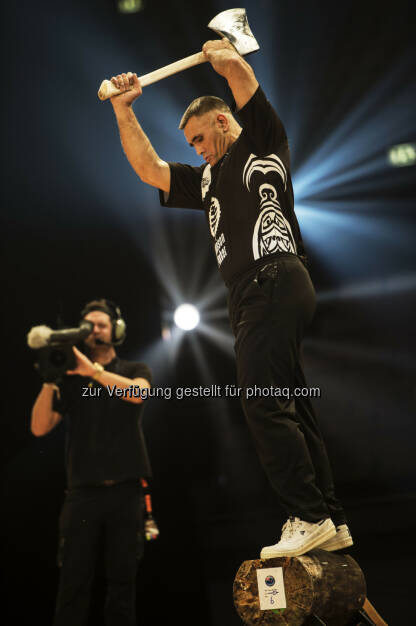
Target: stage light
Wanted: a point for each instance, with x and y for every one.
(186, 317)
(130, 6)
(402, 155)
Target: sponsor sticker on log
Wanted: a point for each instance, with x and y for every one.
(271, 588)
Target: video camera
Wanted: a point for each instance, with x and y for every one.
(54, 348)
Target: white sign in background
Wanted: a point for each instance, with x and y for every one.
(271, 588)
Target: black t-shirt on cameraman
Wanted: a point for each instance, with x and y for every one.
(247, 196)
(105, 440)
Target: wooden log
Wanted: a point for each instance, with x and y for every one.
(328, 585)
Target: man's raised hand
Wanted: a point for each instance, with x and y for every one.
(84, 366)
(129, 86)
(220, 52)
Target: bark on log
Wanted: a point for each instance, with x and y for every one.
(330, 586)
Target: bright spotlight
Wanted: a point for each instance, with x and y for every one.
(186, 317)
(403, 154)
(129, 6)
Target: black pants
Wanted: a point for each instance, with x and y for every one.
(270, 311)
(93, 517)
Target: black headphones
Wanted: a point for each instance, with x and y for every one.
(119, 327)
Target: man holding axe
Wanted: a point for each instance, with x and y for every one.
(245, 189)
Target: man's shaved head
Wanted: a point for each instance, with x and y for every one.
(203, 105)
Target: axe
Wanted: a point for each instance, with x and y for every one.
(231, 24)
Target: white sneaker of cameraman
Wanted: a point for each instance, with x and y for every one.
(299, 537)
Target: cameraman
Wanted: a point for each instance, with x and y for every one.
(106, 457)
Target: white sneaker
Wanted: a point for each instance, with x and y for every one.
(339, 541)
(298, 537)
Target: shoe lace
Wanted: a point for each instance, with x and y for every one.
(290, 527)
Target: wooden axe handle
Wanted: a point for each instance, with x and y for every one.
(108, 90)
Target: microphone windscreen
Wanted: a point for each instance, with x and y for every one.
(38, 337)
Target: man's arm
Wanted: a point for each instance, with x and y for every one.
(44, 418)
(86, 368)
(141, 155)
(228, 63)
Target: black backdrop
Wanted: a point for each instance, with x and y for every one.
(76, 223)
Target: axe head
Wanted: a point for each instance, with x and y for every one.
(233, 25)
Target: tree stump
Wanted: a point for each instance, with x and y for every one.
(327, 585)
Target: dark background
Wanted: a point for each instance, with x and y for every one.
(77, 223)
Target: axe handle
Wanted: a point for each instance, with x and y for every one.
(108, 90)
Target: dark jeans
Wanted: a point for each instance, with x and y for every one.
(91, 517)
(270, 311)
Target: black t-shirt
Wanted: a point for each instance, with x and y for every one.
(105, 440)
(247, 195)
